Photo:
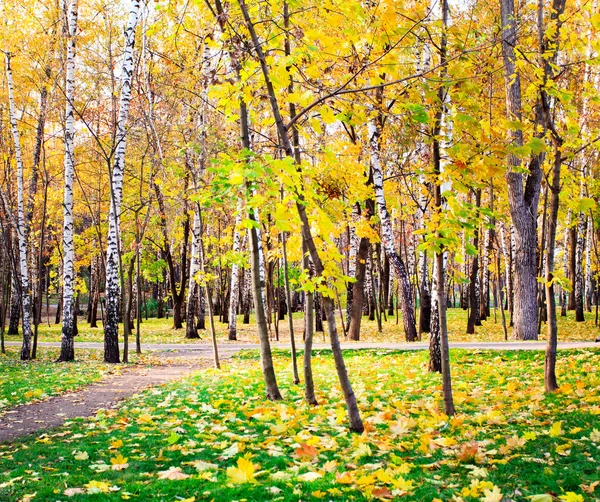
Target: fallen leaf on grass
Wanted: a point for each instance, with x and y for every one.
(243, 473)
(69, 492)
(173, 473)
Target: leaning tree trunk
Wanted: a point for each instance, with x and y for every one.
(356, 424)
(113, 258)
(387, 235)
(21, 226)
(67, 350)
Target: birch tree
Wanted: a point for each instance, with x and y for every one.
(67, 352)
(113, 258)
(20, 224)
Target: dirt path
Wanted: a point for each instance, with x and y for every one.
(29, 418)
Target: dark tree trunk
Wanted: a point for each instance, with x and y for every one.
(318, 313)
(358, 289)
(201, 302)
(15, 309)
(191, 329)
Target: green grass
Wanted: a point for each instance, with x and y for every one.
(27, 381)
(506, 435)
(161, 330)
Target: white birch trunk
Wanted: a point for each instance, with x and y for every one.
(67, 345)
(191, 331)
(387, 235)
(113, 287)
(21, 228)
(235, 277)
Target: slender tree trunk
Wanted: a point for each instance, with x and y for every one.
(352, 408)
(474, 289)
(21, 227)
(191, 330)
(15, 308)
(579, 256)
(113, 259)
(67, 349)
(235, 279)
(387, 236)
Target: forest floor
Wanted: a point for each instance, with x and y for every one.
(160, 330)
(211, 435)
(105, 394)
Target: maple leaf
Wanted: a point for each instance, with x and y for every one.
(402, 426)
(80, 455)
(595, 436)
(310, 476)
(144, 419)
(97, 487)
(116, 444)
(590, 488)
(243, 473)
(119, 463)
(493, 495)
(306, 451)
(542, 497)
(70, 492)
(382, 493)
(173, 473)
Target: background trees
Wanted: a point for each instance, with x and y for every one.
(367, 137)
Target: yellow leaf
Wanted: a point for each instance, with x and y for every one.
(571, 497)
(81, 455)
(556, 429)
(116, 444)
(494, 495)
(144, 419)
(243, 473)
(119, 463)
(97, 487)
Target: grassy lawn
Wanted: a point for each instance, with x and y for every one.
(214, 437)
(25, 382)
(160, 330)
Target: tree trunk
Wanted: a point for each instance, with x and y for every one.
(235, 279)
(523, 199)
(191, 331)
(67, 351)
(474, 289)
(113, 259)
(15, 308)
(21, 223)
(387, 236)
(579, 284)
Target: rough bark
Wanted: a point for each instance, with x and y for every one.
(67, 351)
(387, 236)
(21, 226)
(113, 259)
(523, 197)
